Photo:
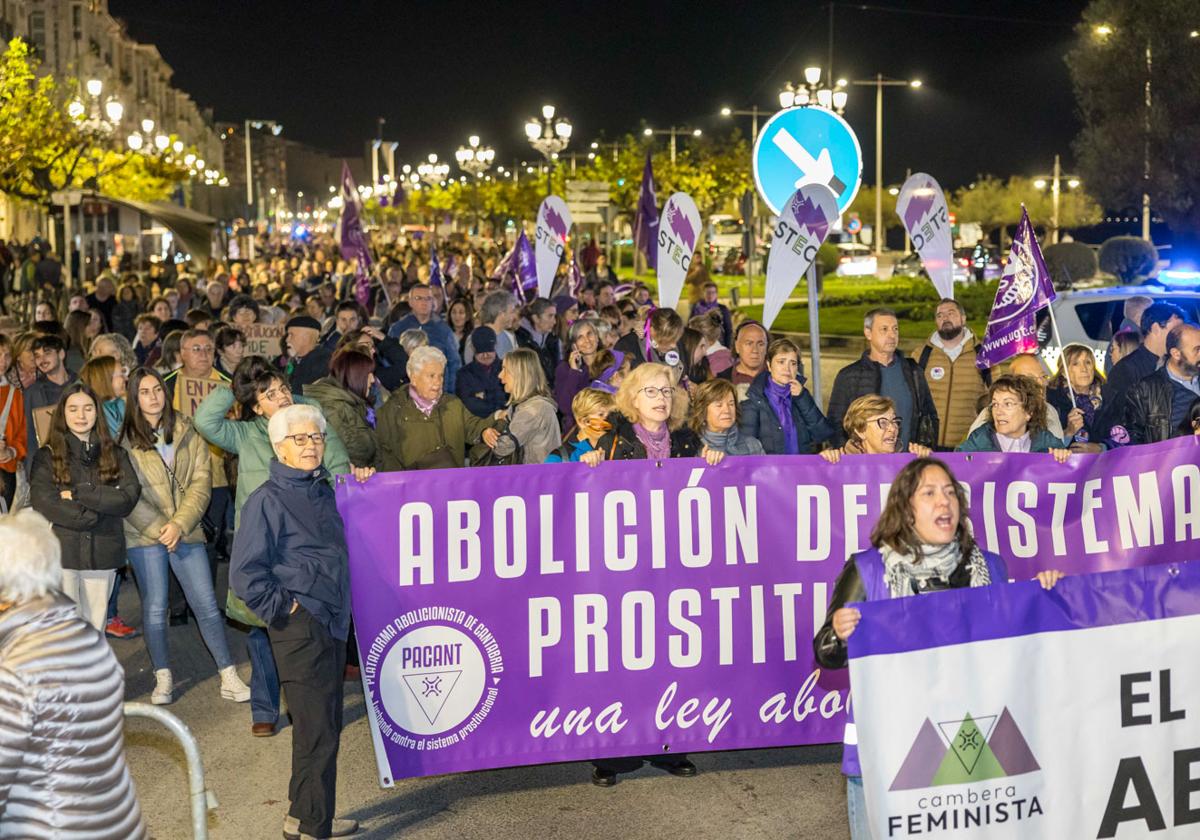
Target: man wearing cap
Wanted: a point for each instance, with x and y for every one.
(479, 385)
(307, 360)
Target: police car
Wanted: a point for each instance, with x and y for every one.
(1093, 316)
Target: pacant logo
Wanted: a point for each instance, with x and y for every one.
(973, 749)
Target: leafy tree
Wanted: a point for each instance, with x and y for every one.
(1129, 258)
(1121, 45)
(1069, 263)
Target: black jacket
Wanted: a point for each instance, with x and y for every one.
(623, 444)
(480, 390)
(90, 524)
(391, 363)
(865, 376)
(759, 420)
(548, 353)
(1125, 374)
(1148, 408)
(308, 370)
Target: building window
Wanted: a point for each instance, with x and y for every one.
(77, 22)
(37, 31)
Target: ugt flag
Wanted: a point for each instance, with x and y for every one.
(1024, 289)
(645, 224)
(352, 239)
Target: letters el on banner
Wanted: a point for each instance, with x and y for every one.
(533, 614)
(1031, 714)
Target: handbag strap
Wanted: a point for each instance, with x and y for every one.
(7, 408)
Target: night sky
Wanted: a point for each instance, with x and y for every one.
(996, 98)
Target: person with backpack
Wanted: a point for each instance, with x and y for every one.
(955, 383)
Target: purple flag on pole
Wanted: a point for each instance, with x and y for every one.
(352, 239)
(1024, 289)
(645, 224)
(435, 268)
(519, 268)
(576, 276)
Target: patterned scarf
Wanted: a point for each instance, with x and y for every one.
(658, 444)
(901, 571)
(780, 398)
(426, 406)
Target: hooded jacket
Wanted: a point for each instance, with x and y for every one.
(62, 755)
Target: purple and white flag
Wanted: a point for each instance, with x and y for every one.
(645, 223)
(1024, 288)
(435, 267)
(553, 223)
(678, 232)
(518, 268)
(352, 239)
(575, 283)
(922, 207)
(799, 233)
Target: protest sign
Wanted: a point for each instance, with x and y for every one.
(799, 233)
(264, 339)
(1024, 289)
(1030, 714)
(191, 392)
(553, 223)
(41, 423)
(921, 206)
(678, 233)
(557, 612)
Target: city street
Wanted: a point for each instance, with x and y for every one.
(781, 793)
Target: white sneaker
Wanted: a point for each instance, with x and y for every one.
(232, 687)
(164, 687)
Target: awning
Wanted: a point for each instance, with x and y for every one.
(194, 230)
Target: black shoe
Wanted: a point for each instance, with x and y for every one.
(676, 767)
(603, 778)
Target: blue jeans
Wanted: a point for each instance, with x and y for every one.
(856, 809)
(189, 561)
(264, 678)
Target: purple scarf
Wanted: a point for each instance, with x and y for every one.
(658, 444)
(780, 398)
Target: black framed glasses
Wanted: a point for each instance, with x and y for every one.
(302, 439)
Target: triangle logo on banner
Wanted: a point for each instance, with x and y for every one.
(431, 690)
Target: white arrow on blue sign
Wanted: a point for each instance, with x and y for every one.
(800, 146)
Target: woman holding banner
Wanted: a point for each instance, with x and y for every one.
(779, 410)
(1074, 393)
(1016, 421)
(922, 543)
(872, 428)
(713, 416)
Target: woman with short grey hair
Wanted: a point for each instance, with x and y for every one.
(61, 696)
(422, 428)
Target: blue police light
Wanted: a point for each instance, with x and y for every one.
(1179, 277)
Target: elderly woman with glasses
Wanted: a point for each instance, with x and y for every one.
(290, 566)
(872, 428)
(1016, 421)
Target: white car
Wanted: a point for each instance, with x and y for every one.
(855, 260)
(1093, 316)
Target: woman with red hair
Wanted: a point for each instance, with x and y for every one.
(347, 398)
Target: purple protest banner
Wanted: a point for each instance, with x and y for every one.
(645, 221)
(352, 239)
(1025, 288)
(533, 614)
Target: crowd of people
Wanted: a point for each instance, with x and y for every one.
(452, 369)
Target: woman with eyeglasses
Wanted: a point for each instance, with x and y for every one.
(779, 410)
(259, 391)
(1016, 421)
(872, 428)
(163, 530)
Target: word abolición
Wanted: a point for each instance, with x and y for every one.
(697, 526)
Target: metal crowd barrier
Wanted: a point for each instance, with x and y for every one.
(202, 799)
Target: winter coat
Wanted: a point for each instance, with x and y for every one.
(532, 425)
(548, 351)
(732, 442)
(409, 440)
(865, 376)
(179, 494)
(480, 388)
(293, 548)
(440, 336)
(62, 739)
(759, 420)
(622, 444)
(567, 383)
(249, 441)
(347, 413)
(303, 372)
(983, 439)
(14, 433)
(954, 386)
(1148, 407)
(90, 525)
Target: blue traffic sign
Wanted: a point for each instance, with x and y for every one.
(801, 146)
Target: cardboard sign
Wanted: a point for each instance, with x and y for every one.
(41, 423)
(264, 339)
(190, 393)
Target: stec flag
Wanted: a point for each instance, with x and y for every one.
(352, 239)
(1024, 289)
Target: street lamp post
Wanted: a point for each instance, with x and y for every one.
(672, 132)
(1054, 181)
(548, 136)
(476, 160)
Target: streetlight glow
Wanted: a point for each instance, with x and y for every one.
(533, 130)
(916, 83)
(114, 109)
(649, 132)
(94, 87)
(726, 111)
(1040, 184)
(147, 125)
(134, 141)
(1104, 30)
(1073, 183)
(161, 141)
(547, 112)
(812, 75)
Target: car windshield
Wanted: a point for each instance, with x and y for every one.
(1101, 319)
(727, 226)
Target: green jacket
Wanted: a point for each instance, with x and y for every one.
(347, 414)
(178, 495)
(249, 441)
(406, 436)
